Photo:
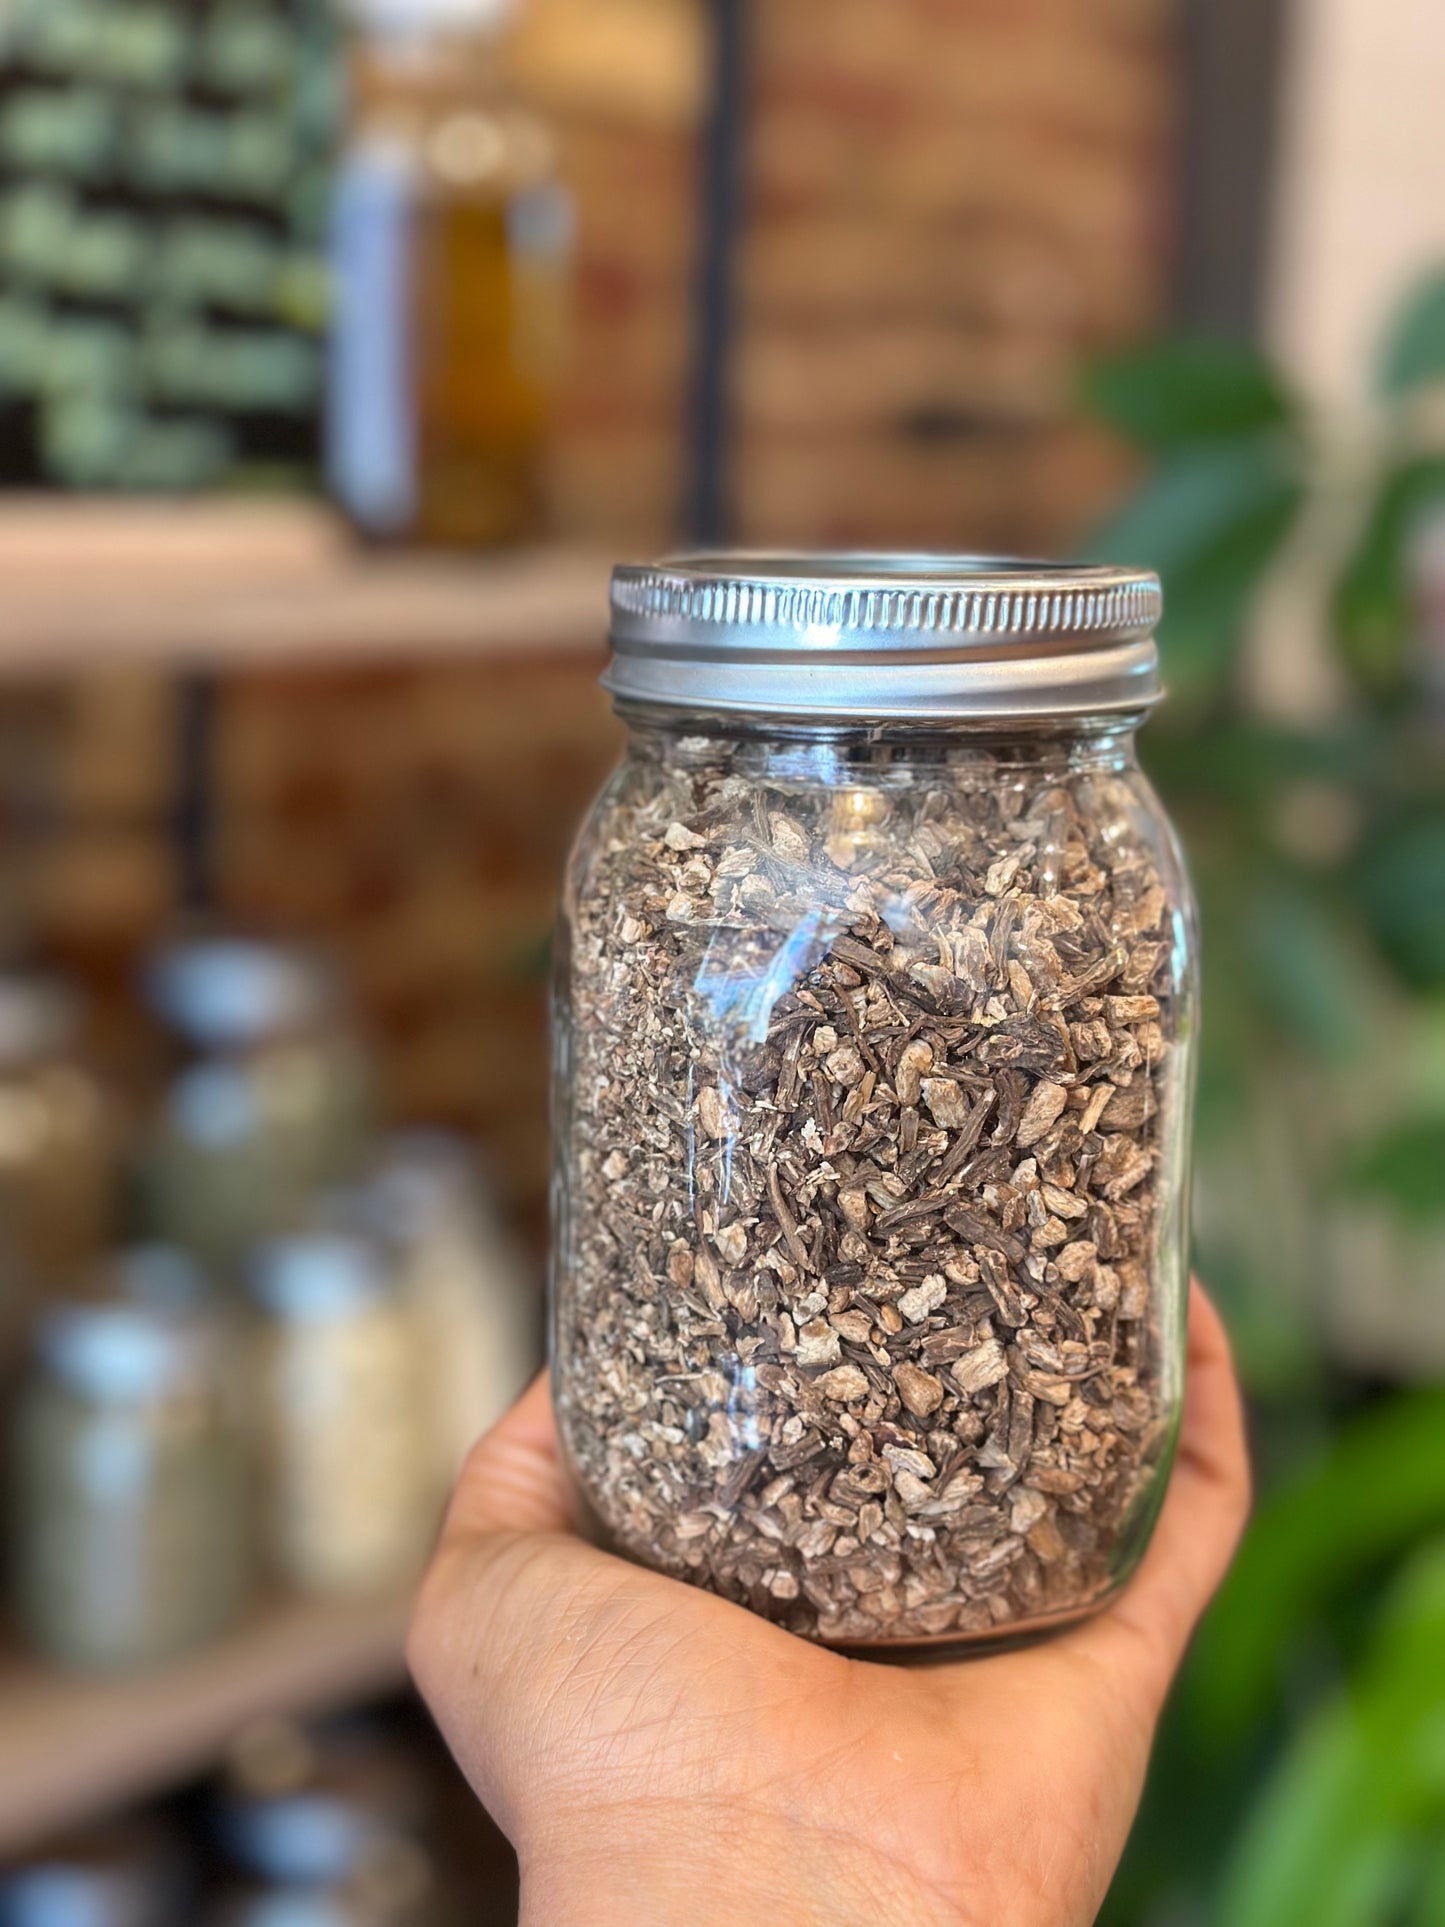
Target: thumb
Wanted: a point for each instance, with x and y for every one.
(541, 1656)
(513, 1479)
(516, 1615)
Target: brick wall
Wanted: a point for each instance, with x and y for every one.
(949, 201)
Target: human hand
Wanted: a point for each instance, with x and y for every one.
(658, 1755)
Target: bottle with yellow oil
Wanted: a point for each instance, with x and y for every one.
(451, 238)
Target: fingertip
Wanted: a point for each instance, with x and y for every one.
(532, 1414)
(1214, 1440)
(1203, 1518)
(1208, 1333)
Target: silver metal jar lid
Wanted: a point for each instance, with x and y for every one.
(944, 637)
(119, 1353)
(231, 993)
(313, 1277)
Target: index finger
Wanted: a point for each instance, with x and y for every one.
(1199, 1528)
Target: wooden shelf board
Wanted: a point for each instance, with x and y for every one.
(187, 585)
(72, 1746)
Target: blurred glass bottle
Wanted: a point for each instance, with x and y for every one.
(268, 1100)
(119, 1873)
(58, 1146)
(128, 1482)
(451, 239)
(465, 1280)
(326, 1829)
(351, 1491)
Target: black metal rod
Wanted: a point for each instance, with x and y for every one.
(195, 798)
(1233, 54)
(722, 211)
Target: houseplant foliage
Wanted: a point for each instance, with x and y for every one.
(1301, 1773)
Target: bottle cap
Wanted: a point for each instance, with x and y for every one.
(317, 1276)
(401, 20)
(850, 638)
(227, 993)
(120, 1353)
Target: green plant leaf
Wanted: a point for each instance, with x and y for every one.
(1405, 1166)
(1414, 353)
(1429, 1907)
(1173, 393)
(1209, 520)
(1379, 1486)
(1374, 603)
(1336, 1838)
(1401, 876)
(1307, 969)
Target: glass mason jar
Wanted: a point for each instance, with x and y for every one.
(426, 1206)
(351, 1479)
(128, 1477)
(268, 1099)
(326, 1828)
(875, 1020)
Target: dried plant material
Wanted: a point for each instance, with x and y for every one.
(920, 1391)
(869, 1092)
(981, 1366)
(1041, 1113)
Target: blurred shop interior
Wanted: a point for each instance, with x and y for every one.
(343, 344)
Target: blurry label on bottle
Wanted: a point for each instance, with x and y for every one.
(371, 428)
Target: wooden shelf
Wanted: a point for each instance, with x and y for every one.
(227, 586)
(73, 1746)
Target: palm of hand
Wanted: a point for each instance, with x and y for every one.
(659, 1755)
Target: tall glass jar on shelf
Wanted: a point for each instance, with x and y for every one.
(326, 1827)
(451, 242)
(267, 1098)
(475, 1306)
(350, 1474)
(875, 1028)
(127, 1482)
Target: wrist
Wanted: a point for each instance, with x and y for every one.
(687, 1868)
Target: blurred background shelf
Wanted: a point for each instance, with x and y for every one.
(235, 585)
(74, 1747)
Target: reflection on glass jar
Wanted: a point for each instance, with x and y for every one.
(875, 1029)
(128, 1485)
(268, 1102)
(350, 1479)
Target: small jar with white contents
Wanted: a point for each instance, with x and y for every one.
(349, 1481)
(478, 1313)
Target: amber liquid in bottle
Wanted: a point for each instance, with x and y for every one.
(483, 404)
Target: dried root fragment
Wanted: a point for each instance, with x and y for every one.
(859, 1319)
